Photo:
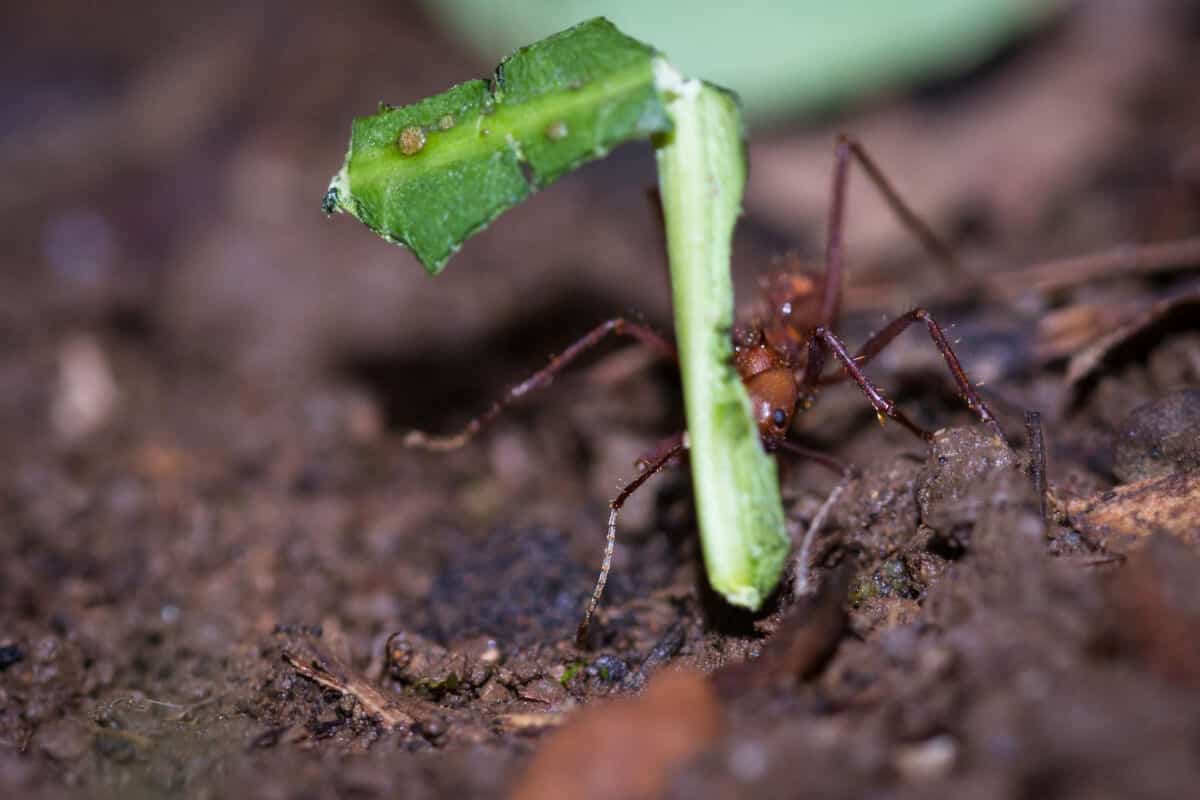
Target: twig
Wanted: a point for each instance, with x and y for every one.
(1062, 273)
(324, 668)
(800, 566)
(1037, 457)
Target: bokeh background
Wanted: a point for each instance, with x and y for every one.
(162, 164)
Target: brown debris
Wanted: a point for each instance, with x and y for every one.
(314, 661)
(806, 637)
(960, 461)
(1122, 517)
(1062, 273)
(1160, 437)
(626, 749)
(1144, 330)
(64, 740)
(531, 721)
(1153, 596)
(1063, 332)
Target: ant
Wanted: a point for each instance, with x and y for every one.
(780, 356)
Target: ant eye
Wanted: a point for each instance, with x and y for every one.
(779, 418)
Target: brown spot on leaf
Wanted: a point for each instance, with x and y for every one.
(411, 140)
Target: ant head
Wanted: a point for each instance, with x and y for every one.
(769, 381)
(773, 394)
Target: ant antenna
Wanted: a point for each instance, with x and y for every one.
(610, 542)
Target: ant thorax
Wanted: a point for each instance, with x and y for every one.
(770, 354)
(790, 310)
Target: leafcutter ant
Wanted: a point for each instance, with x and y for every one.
(780, 355)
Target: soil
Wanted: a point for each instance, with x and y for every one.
(221, 573)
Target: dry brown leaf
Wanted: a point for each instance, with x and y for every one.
(1063, 332)
(1121, 518)
(316, 662)
(626, 749)
(1153, 597)
(1086, 366)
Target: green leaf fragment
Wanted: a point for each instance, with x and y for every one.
(430, 174)
(551, 107)
(702, 171)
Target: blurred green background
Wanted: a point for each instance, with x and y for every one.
(783, 57)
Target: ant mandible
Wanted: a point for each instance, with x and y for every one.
(780, 358)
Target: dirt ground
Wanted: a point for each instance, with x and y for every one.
(222, 574)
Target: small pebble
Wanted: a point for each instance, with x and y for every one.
(10, 654)
(927, 760)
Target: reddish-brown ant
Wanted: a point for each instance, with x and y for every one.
(780, 356)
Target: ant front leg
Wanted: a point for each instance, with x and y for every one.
(888, 334)
(543, 378)
(676, 447)
(883, 407)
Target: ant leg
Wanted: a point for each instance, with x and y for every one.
(883, 406)
(662, 446)
(846, 149)
(542, 378)
(808, 381)
(920, 229)
(831, 281)
(883, 338)
(679, 445)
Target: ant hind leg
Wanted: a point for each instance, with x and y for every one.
(543, 378)
(665, 456)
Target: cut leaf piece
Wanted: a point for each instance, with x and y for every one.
(429, 175)
(551, 106)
